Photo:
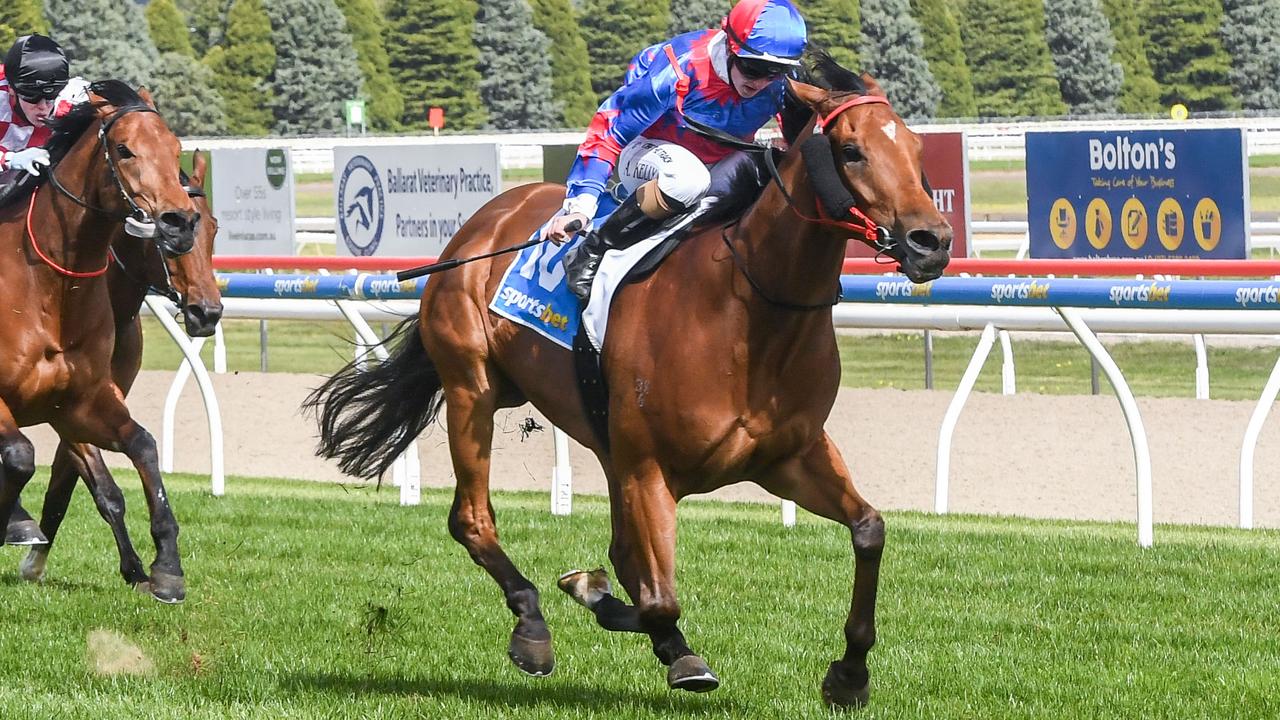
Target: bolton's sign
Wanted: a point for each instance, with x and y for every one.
(1138, 193)
(409, 200)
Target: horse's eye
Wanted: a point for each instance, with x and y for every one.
(853, 154)
(123, 151)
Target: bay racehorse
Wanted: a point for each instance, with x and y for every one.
(114, 164)
(136, 269)
(721, 367)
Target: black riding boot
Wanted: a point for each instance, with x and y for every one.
(621, 230)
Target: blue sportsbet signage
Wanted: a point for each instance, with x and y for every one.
(1138, 193)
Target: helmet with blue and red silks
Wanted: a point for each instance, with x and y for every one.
(769, 31)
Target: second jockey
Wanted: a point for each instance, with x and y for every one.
(730, 79)
(35, 86)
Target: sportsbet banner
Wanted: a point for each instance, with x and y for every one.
(1138, 193)
(946, 167)
(410, 200)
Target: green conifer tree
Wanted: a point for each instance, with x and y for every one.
(1012, 70)
(242, 68)
(1140, 93)
(105, 39)
(316, 67)
(1184, 44)
(945, 53)
(184, 94)
(690, 15)
(168, 28)
(570, 63)
(615, 30)
(515, 70)
(1251, 31)
(1083, 48)
(368, 27)
(895, 57)
(23, 17)
(207, 22)
(434, 61)
(834, 26)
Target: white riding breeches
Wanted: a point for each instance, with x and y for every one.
(681, 176)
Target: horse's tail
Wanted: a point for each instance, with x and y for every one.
(369, 415)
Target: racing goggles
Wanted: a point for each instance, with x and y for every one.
(754, 69)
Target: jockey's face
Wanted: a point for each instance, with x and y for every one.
(754, 78)
(37, 112)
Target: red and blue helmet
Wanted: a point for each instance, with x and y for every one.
(767, 30)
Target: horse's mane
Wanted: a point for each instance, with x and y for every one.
(818, 69)
(68, 128)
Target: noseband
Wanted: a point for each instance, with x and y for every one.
(137, 222)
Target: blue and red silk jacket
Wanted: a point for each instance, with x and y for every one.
(647, 105)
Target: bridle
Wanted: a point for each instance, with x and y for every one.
(137, 222)
(168, 290)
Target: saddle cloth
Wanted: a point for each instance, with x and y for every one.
(533, 292)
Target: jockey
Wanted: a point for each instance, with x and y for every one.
(35, 86)
(730, 79)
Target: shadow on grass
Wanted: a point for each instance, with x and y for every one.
(62, 585)
(515, 694)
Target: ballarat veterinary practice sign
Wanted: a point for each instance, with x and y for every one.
(946, 168)
(1138, 194)
(409, 200)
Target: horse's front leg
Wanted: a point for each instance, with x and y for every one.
(17, 462)
(106, 423)
(22, 528)
(74, 461)
(819, 482)
(643, 551)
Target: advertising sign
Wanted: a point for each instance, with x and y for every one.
(251, 194)
(409, 200)
(1138, 193)
(946, 168)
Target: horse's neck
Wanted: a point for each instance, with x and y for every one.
(793, 259)
(70, 235)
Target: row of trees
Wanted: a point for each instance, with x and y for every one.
(252, 67)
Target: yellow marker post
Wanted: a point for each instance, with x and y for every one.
(1179, 112)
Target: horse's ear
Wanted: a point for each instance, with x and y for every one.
(199, 165)
(873, 87)
(145, 94)
(810, 95)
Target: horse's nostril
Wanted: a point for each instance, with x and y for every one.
(177, 221)
(924, 241)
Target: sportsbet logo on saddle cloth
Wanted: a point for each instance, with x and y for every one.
(533, 292)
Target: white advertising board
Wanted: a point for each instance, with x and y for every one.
(409, 200)
(253, 198)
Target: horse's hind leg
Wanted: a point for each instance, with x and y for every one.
(819, 482)
(470, 411)
(22, 528)
(74, 461)
(17, 462)
(643, 552)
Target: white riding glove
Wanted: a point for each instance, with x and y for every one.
(29, 160)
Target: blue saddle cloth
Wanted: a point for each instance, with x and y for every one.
(533, 292)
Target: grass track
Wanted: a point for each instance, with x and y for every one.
(317, 601)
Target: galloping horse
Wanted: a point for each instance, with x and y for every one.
(721, 367)
(115, 162)
(137, 268)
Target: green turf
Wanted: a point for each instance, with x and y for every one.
(319, 601)
(892, 360)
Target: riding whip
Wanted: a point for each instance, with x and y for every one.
(436, 267)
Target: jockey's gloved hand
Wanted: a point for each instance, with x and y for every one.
(564, 226)
(29, 160)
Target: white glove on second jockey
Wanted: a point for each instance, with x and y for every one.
(29, 160)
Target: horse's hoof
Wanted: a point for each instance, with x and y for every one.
(24, 532)
(693, 674)
(32, 566)
(586, 587)
(838, 689)
(168, 589)
(533, 657)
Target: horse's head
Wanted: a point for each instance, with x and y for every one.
(190, 275)
(127, 168)
(862, 159)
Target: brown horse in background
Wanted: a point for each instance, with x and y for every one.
(721, 366)
(137, 268)
(114, 161)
